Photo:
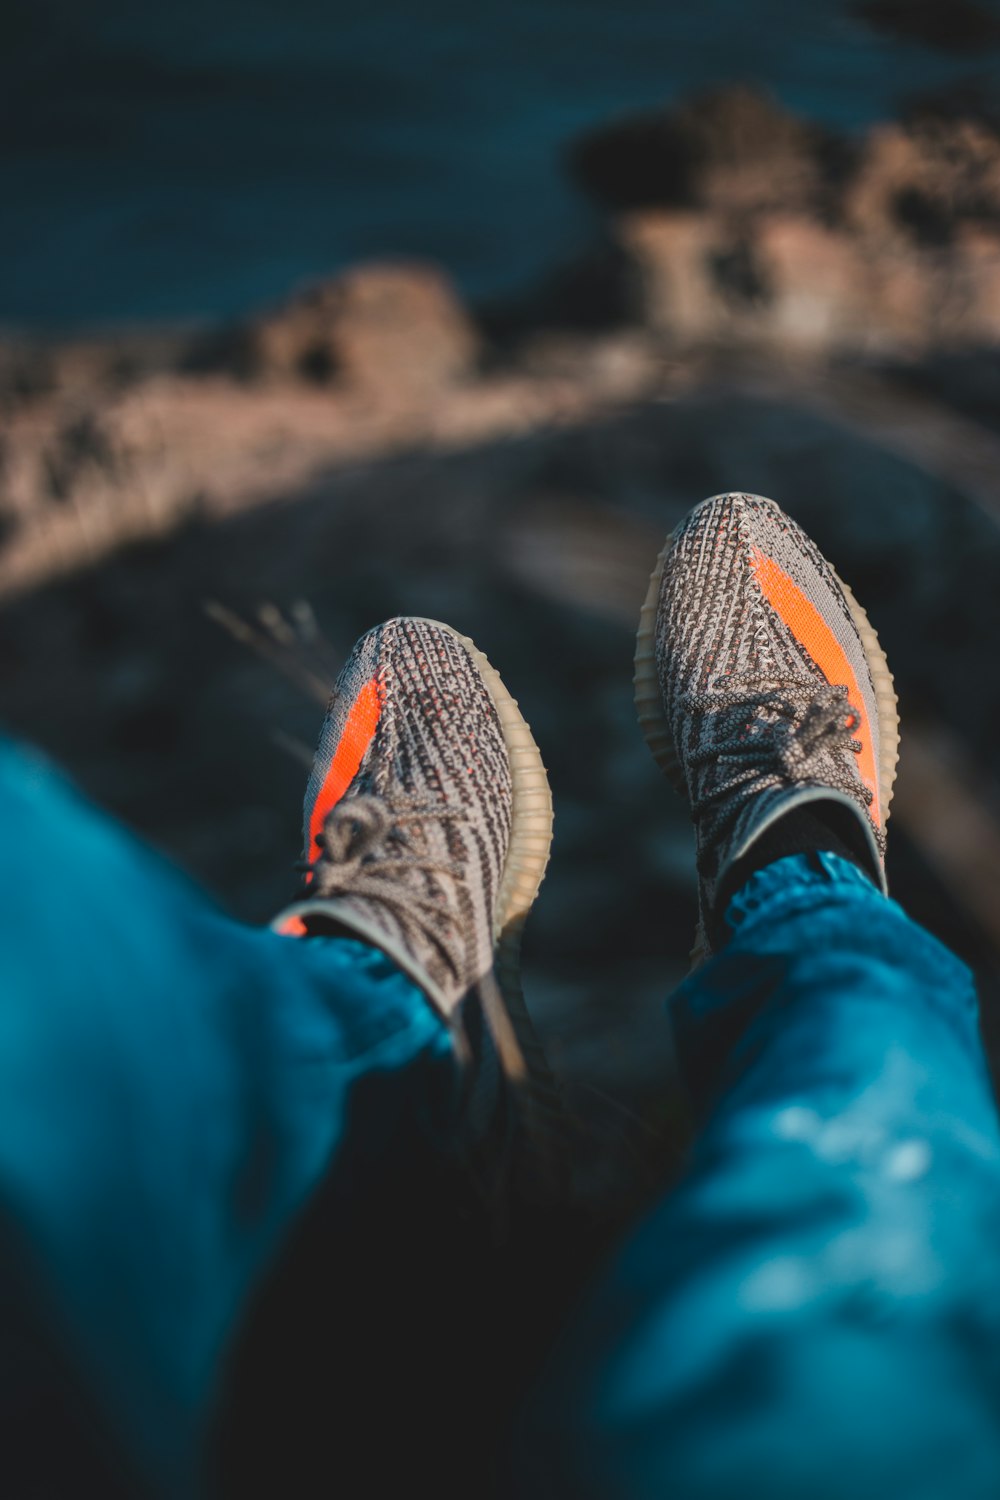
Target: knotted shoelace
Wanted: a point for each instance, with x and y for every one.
(365, 851)
(807, 724)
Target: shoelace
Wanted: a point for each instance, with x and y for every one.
(365, 852)
(808, 720)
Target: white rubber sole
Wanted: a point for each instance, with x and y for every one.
(656, 729)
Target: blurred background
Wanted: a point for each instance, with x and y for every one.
(308, 317)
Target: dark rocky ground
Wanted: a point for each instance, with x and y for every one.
(531, 527)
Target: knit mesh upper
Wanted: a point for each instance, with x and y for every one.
(416, 843)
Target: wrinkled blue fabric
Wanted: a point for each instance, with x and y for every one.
(814, 1311)
(173, 1087)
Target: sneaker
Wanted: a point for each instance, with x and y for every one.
(760, 687)
(428, 821)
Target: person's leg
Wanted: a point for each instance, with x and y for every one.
(815, 1311)
(173, 1087)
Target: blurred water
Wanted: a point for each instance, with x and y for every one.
(198, 158)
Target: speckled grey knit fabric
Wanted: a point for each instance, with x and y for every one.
(416, 845)
(754, 720)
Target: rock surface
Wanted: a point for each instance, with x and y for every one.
(741, 223)
(394, 331)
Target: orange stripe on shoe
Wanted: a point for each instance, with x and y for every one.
(293, 927)
(811, 630)
(359, 731)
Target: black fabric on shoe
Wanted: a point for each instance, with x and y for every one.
(817, 827)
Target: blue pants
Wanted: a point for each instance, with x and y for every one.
(174, 1086)
(815, 1310)
(811, 1313)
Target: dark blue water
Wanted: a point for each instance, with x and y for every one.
(199, 158)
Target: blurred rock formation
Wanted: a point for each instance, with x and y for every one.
(741, 223)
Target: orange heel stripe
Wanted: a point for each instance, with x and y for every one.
(292, 927)
(807, 625)
(359, 731)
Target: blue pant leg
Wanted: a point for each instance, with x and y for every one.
(815, 1311)
(173, 1087)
